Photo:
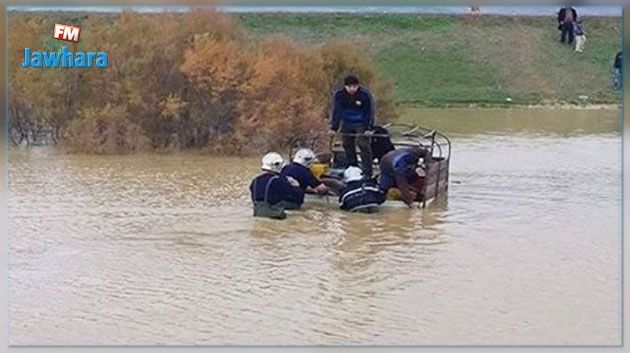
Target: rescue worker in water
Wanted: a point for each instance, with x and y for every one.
(398, 168)
(299, 171)
(359, 195)
(272, 192)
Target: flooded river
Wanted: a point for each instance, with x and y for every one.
(162, 249)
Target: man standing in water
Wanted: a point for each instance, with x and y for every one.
(353, 115)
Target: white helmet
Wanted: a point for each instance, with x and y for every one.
(272, 162)
(352, 174)
(304, 157)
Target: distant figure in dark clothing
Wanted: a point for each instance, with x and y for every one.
(580, 36)
(563, 12)
(474, 12)
(353, 112)
(618, 67)
(566, 16)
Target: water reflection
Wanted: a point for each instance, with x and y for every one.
(468, 123)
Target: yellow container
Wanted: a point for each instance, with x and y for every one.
(319, 169)
(394, 194)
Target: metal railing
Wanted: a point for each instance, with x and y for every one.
(419, 135)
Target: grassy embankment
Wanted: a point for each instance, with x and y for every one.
(442, 60)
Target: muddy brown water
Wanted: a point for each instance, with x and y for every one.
(162, 249)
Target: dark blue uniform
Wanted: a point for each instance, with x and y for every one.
(360, 196)
(273, 189)
(303, 175)
(354, 114)
(352, 109)
(398, 168)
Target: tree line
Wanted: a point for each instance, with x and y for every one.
(177, 81)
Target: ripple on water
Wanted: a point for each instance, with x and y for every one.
(163, 249)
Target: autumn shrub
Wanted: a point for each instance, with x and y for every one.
(104, 130)
(181, 81)
(286, 95)
(217, 72)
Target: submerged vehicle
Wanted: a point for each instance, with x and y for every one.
(433, 172)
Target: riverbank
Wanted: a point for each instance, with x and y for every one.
(278, 88)
(457, 122)
(511, 106)
(448, 60)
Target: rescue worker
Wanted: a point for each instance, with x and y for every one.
(270, 191)
(353, 115)
(359, 195)
(299, 170)
(398, 168)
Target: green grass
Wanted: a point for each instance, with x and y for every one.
(439, 60)
(325, 25)
(431, 76)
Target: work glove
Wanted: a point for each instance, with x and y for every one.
(293, 182)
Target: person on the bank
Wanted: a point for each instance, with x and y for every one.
(398, 168)
(617, 66)
(299, 170)
(270, 191)
(566, 16)
(353, 115)
(474, 11)
(359, 195)
(580, 36)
